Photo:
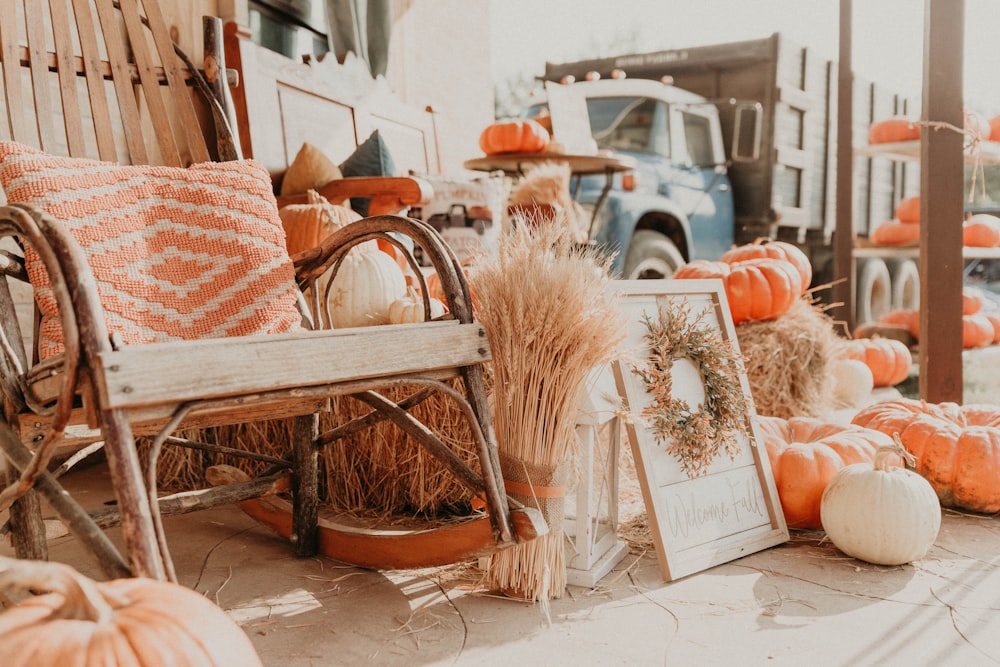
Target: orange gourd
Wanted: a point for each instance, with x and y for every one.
(995, 128)
(908, 210)
(888, 359)
(894, 232)
(778, 249)
(893, 129)
(757, 289)
(805, 454)
(903, 317)
(957, 447)
(306, 225)
(994, 319)
(977, 331)
(140, 622)
(972, 301)
(981, 230)
(514, 136)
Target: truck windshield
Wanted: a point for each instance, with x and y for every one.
(630, 123)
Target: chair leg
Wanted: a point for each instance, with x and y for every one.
(27, 528)
(305, 486)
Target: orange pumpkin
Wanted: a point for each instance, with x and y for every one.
(141, 622)
(994, 319)
(981, 230)
(957, 447)
(894, 232)
(893, 129)
(306, 225)
(995, 128)
(903, 317)
(757, 289)
(514, 136)
(888, 359)
(778, 249)
(977, 331)
(805, 454)
(908, 210)
(972, 301)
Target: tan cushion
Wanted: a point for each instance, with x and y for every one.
(177, 253)
(310, 170)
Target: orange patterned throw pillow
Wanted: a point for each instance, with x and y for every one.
(177, 253)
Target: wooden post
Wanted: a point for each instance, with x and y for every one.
(843, 248)
(941, 203)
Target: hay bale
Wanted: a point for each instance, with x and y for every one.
(787, 361)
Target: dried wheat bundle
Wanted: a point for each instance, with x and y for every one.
(550, 319)
(787, 361)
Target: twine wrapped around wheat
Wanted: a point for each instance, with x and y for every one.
(550, 318)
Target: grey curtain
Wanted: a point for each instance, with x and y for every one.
(363, 27)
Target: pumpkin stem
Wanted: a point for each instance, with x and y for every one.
(83, 599)
(884, 452)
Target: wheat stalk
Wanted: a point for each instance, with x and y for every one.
(551, 319)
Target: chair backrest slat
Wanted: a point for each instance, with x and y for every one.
(71, 110)
(121, 75)
(37, 56)
(103, 79)
(11, 61)
(93, 70)
(187, 116)
(150, 86)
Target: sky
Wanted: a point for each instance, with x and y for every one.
(887, 36)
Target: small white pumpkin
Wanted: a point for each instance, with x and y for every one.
(853, 382)
(410, 308)
(364, 288)
(881, 514)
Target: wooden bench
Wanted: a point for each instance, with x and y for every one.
(99, 389)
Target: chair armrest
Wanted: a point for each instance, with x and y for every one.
(389, 194)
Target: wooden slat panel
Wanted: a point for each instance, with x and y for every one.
(37, 56)
(14, 97)
(145, 64)
(72, 114)
(93, 68)
(189, 370)
(122, 77)
(185, 107)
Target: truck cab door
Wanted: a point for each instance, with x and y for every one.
(698, 181)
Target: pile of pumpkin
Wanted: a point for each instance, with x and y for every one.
(372, 285)
(849, 479)
(980, 327)
(843, 479)
(979, 230)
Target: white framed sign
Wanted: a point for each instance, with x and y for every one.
(728, 509)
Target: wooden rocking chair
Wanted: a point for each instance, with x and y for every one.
(112, 86)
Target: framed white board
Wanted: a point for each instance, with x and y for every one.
(731, 509)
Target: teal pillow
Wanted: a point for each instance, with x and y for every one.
(371, 158)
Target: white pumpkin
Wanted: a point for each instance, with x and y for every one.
(364, 288)
(881, 514)
(852, 382)
(410, 308)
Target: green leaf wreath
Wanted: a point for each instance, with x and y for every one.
(694, 438)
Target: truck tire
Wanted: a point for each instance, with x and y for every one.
(651, 255)
(906, 285)
(873, 291)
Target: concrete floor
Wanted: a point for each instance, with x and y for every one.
(801, 603)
